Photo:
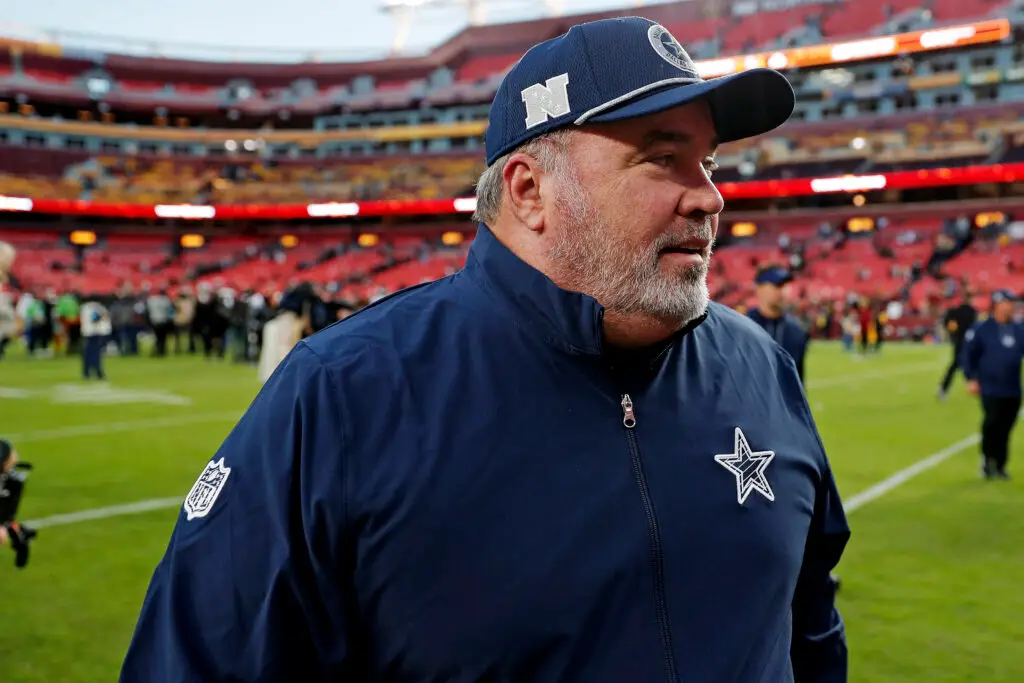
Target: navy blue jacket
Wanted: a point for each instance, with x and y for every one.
(457, 484)
(787, 333)
(992, 355)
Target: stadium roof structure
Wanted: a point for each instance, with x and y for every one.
(127, 58)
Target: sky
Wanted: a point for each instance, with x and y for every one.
(337, 29)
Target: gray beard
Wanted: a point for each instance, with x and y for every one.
(627, 283)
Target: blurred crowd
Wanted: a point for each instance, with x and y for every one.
(219, 323)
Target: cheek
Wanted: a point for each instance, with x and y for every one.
(642, 209)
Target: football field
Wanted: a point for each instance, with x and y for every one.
(933, 579)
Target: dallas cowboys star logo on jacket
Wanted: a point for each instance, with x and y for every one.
(749, 467)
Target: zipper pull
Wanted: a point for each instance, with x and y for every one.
(628, 416)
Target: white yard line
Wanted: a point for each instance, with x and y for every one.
(127, 426)
(903, 476)
(850, 505)
(104, 513)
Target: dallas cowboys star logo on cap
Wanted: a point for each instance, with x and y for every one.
(749, 467)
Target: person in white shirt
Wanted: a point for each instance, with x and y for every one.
(96, 330)
(160, 311)
(8, 318)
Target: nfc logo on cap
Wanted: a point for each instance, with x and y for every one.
(550, 100)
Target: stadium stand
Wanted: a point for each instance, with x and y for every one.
(122, 131)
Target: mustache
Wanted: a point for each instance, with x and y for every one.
(691, 230)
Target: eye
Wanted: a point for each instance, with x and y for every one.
(710, 165)
(664, 160)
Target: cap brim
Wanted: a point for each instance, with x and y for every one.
(743, 105)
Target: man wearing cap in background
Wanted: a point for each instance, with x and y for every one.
(780, 326)
(991, 363)
(559, 464)
(771, 282)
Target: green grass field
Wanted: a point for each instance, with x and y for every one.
(931, 580)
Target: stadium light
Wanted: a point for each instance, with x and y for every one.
(82, 238)
(15, 203)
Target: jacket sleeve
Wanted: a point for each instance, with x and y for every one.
(818, 649)
(970, 354)
(805, 343)
(253, 586)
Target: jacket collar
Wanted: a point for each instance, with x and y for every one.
(569, 320)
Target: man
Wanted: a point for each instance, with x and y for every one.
(559, 464)
(991, 363)
(780, 326)
(160, 313)
(8, 317)
(96, 330)
(12, 482)
(957, 321)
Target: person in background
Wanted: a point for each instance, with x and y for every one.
(160, 313)
(67, 313)
(958, 321)
(991, 363)
(39, 323)
(184, 314)
(96, 330)
(850, 328)
(787, 332)
(207, 318)
(867, 325)
(121, 316)
(8, 316)
(780, 326)
(880, 319)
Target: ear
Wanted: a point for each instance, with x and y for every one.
(522, 175)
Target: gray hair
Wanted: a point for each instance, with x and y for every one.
(490, 188)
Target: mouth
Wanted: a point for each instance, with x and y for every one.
(694, 247)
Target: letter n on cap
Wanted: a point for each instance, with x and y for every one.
(547, 101)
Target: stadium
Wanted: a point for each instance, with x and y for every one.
(228, 192)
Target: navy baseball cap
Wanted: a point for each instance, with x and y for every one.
(1001, 295)
(621, 68)
(773, 276)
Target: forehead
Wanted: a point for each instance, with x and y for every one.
(688, 123)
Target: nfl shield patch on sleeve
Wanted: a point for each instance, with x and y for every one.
(206, 489)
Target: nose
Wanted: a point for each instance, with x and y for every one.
(700, 198)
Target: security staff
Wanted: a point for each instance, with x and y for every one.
(559, 464)
(991, 363)
(779, 325)
(957, 321)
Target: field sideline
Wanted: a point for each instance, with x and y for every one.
(930, 580)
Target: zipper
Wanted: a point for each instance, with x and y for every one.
(657, 556)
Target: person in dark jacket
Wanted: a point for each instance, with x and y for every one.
(559, 464)
(991, 363)
(957, 321)
(780, 326)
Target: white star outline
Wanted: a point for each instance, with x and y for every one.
(749, 467)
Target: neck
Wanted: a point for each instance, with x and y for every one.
(636, 330)
(769, 311)
(1002, 319)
